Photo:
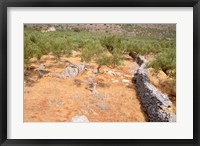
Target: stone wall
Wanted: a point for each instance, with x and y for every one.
(155, 103)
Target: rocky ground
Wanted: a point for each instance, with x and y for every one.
(110, 96)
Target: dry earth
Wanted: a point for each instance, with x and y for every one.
(51, 99)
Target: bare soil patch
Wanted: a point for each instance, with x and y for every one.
(51, 99)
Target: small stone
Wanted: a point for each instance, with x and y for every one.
(55, 101)
(42, 66)
(110, 73)
(79, 119)
(118, 74)
(81, 68)
(115, 81)
(51, 29)
(127, 76)
(76, 96)
(42, 72)
(102, 106)
(99, 96)
(125, 81)
(59, 103)
(70, 72)
(104, 70)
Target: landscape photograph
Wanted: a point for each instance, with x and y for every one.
(99, 72)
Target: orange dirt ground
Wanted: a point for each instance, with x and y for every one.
(50, 99)
(165, 84)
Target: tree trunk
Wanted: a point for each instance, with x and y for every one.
(98, 69)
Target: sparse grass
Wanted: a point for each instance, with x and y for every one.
(105, 49)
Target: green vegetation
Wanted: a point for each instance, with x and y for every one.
(166, 61)
(105, 49)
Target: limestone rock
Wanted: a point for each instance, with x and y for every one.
(125, 81)
(70, 72)
(99, 96)
(79, 119)
(101, 106)
(154, 102)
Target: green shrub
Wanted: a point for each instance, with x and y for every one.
(104, 49)
(112, 43)
(166, 61)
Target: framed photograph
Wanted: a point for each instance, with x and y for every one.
(103, 72)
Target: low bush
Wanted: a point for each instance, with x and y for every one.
(105, 49)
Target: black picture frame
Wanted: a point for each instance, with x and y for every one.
(4, 4)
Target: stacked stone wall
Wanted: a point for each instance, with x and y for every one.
(155, 103)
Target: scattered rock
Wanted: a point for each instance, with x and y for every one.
(81, 68)
(55, 101)
(51, 29)
(113, 73)
(73, 70)
(101, 106)
(43, 72)
(125, 81)
(41, 66)
(115, 81)
(70, 72)
(110, 73)
(128, 76)
(99, 96)
(92, 85)
(79, 119)
(118, 74)
(59, 103)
